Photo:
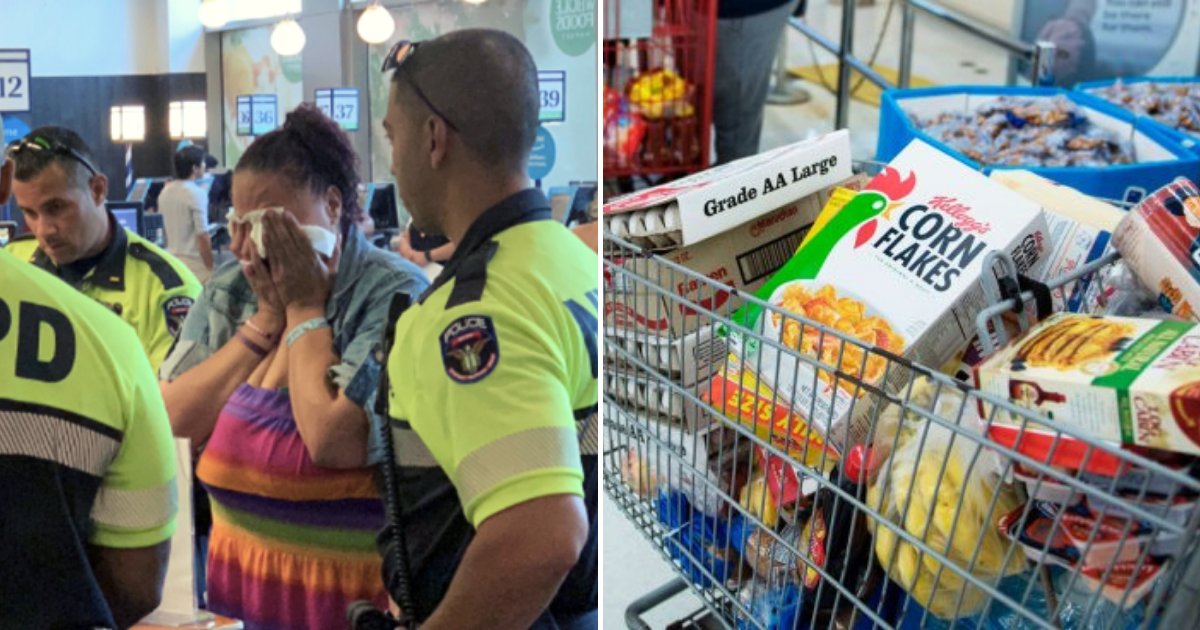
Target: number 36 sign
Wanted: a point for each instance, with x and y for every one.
(14, 80)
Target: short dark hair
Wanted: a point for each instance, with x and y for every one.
(485, 82)
(312, 151)
(187, 159)
(30, 164)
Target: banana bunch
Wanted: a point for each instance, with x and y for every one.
(661, 94)
(931, 511)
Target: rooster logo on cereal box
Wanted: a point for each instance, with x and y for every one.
(879, 197)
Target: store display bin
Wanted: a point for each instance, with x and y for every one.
(1161, 157)
(936, 525)
(658, 99)
(1188, 140)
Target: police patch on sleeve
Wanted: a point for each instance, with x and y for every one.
(175, 310)
(470, 350)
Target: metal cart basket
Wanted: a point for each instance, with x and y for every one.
(936, 524)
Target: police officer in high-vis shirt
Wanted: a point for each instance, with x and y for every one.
(87, 465)
(61, 195)
(493, 372)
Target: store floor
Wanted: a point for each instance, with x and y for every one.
(941, 54)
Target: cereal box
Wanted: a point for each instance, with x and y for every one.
(897, 271)
(1119, 379)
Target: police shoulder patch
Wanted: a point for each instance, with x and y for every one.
(175, 310)
(470, 349)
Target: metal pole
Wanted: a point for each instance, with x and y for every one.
(842, 116)
(1042, 69)
(908, 18)
(784, 91)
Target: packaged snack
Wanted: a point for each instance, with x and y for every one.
(897, 270)
(1123, 380)
(942, 489)
(1160, 239)
(1175, 104)
(1028, 132)
(1173, 506)
(1033, 527)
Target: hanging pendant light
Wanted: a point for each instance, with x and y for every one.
(214, 13)
(288, 38)
(376, 24)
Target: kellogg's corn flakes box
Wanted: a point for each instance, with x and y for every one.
(1121, 379)
(896, 271)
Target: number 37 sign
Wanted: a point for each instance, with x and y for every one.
(14, 80)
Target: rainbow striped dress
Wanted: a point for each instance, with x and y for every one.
(292, 543)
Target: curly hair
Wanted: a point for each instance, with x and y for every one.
(311, 150)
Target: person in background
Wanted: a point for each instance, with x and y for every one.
(589, 233)
(748, 33)
(275, 376)
(87, 465)
(493, 375)
(422, 249)
(183, 203)
(73, 236)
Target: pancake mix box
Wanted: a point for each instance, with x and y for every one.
(897, 271)
(1120, 379)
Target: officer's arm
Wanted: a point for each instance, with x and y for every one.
(333, 427)
(514, 565)
(133, 515)
(131, 579)
(510, 425)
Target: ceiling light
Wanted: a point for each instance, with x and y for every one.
(214, 13)
(288, 38)
(376, 24)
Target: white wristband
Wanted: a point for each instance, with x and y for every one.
(304, 328)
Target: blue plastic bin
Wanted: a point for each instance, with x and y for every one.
(1126, 181)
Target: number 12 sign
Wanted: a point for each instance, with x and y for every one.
(14, 80)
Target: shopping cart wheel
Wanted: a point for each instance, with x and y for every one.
(633, 614)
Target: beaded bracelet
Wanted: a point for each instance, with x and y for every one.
(250, 345)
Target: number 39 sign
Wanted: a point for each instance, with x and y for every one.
(14, 80)
(552, 86)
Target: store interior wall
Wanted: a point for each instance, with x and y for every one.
(87, 56)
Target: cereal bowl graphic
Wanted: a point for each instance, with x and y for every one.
(1075, 343)
(842, 311)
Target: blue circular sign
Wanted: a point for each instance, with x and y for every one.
(541, 159)
(14, 129)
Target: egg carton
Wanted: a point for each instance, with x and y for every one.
(656, 228)
(684, 359)
(647, 393)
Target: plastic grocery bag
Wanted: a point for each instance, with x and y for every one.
(919, 490)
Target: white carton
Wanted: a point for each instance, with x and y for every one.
(898, 269)
(687, 359)
(721, 198)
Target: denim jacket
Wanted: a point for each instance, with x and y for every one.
(357, 311)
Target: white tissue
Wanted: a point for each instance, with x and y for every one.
(323, 241)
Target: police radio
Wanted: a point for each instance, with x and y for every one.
(363, 615)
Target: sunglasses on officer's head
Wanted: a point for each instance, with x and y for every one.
(38, 144)
(395, 60)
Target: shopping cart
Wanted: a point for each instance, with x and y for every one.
(952, 529)
(658, 89)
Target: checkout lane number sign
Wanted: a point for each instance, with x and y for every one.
(340, 104)
(552, 89)
(14, 80)
(257, 114)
